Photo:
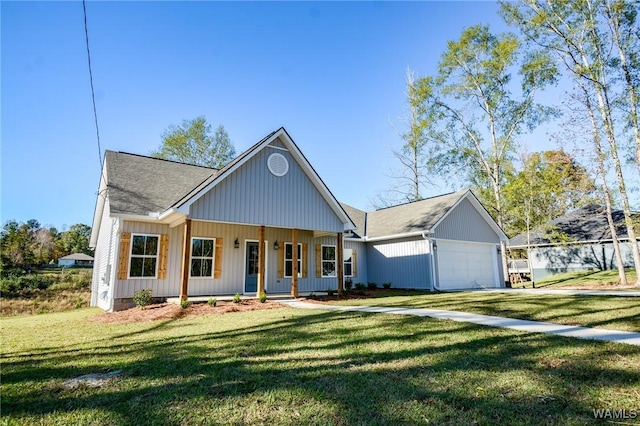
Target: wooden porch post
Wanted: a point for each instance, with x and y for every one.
(340, 261)
(294, 267)
(261, 260)
(186, 242)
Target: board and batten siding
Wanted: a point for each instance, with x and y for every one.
(464, 223)
(170, 286)
(252, 195)
(103, 277)
(404, 263)
(361, 260)
(546, 261)
(232, 277)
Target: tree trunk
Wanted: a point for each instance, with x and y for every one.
(614, 24)
(607, 192)
(605, 112)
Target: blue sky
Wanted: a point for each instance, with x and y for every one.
(331, 73)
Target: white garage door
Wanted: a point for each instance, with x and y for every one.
(466, 265)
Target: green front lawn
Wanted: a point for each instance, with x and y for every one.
(292, 367)
(601, 279)
(617, 313)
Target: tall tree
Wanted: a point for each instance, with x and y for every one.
(480, 118)
(192, 142)
(579, 34)
(413, 175)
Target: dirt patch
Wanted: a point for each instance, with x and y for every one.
(93, 380)
(163, 311)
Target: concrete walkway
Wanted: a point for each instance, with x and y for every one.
(620, 293)
(515, 324)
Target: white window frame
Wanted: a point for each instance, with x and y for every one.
(291, 260)
(213, 259)
(144, 256)
(334, 261)
(347, 262)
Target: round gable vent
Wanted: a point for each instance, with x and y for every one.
(277, 164)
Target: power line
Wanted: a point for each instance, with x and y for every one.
(93, 95)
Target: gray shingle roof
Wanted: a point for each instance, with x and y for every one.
(411, 217)
(77, 256)
(140, 185)
(588, 223)
(358, 217)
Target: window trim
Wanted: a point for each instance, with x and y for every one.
(213, 259)
(144, 256)
(335, 260)
(300, 263)
(344, 263)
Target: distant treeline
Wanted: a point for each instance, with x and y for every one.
(24, 245)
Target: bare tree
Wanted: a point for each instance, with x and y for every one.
(413, 174)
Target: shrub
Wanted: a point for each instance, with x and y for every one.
(8, 286)
(142, 298)
(263, 297)
(11, 272)
(360, 286)
(185, 304)
(386, 285)
(331, 292)
(212, 301)
(236, 298)
(348, 283)
(35, 281)
(12, 285)
(372, 286)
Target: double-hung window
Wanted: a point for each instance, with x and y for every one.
(348, 262)
(144, 256)
(288, 260)
(328, 261)
(202, 255)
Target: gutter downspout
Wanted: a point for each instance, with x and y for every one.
(432, 250)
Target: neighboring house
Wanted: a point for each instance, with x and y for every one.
(76, 259)
(185, 230)
(578, 241)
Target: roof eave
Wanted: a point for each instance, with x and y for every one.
(423, 234)
(100, 202)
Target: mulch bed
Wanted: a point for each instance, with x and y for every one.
(164, 311)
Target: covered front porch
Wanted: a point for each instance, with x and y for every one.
(251, 259)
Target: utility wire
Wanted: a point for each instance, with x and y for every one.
(93, 95)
